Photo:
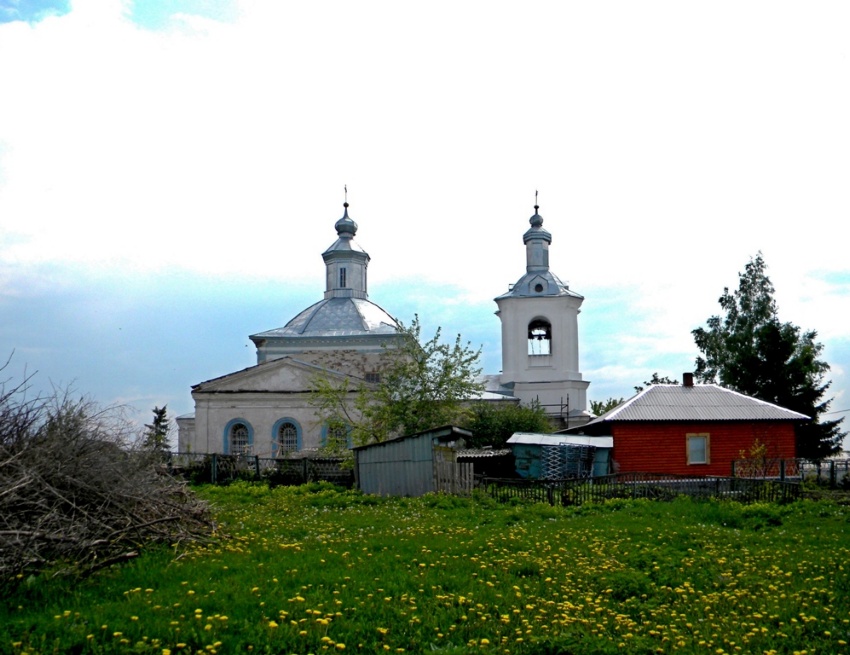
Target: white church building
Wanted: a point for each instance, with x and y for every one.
(265, 409)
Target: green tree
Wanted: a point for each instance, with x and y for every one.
(750, 350)
(492, 424)
(655, 379)
(423, 384)
(155, 436)
(599, 407)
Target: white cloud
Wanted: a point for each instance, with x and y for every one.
(669, 142)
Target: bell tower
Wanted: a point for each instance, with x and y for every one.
(539, 316)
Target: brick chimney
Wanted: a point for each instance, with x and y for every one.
(687, 379)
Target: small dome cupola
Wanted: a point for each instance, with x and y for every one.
(538, 279)
(346, 262)
(536, 241)
(346, 228)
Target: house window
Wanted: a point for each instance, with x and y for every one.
(239, 439)
(698, 448)
(287, 437)
(539, 337)
(342, 277)
(373, 378)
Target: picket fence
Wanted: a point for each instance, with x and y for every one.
(577, 491)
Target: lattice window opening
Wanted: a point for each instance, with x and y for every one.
(287, 438)
(336, 437)
(239, 440)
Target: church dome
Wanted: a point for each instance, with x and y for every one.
(337, 317)
(345, 319)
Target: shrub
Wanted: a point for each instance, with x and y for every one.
(77, 496)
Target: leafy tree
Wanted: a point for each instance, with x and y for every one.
(155, 437)
(492, 424)
(599, 407)
(656, 379)
(750, 350)
(423, 384)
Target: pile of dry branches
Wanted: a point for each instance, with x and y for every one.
(75, 495)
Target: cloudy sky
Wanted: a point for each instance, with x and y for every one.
(170, 173)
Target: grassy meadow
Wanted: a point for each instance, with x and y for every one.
(316, 569)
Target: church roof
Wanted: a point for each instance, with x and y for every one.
(538, 280)
(337, 317)
(527, 286)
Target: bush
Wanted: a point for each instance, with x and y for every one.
(76, 495)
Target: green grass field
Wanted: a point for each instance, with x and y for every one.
(314, 569)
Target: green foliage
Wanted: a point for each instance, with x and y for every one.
(750, 350)
(492, 424)
(319, 569)
(599, 407)
(423, 385)
(155, 436)
(655, 379)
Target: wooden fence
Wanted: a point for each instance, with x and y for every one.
(640, 485)
(453, 477)
(216, 468)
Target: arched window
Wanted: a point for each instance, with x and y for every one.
(335, 436)
(539, 337)
(286, 436)
(238, 437)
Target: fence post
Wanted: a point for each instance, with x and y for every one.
(304, 469)
(832, 480)
(733, 468)
(257, 466)
(214, 469)
(782, 470)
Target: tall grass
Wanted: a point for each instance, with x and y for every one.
(316, 569)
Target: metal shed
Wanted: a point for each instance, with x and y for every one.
(413, 465)
(548, 456)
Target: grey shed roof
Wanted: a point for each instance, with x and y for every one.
(336, 317)
(701, 402)
(536, 439)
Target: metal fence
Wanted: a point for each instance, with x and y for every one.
(831, 472)
(215, 468)
(576, 491)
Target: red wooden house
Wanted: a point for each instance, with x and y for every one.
(693, 429)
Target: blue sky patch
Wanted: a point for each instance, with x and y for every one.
(156, 14)
(32, 11)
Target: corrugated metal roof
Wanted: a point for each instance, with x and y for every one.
(535, 439)
(701, 402)
(444, 433)
(483, 453)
